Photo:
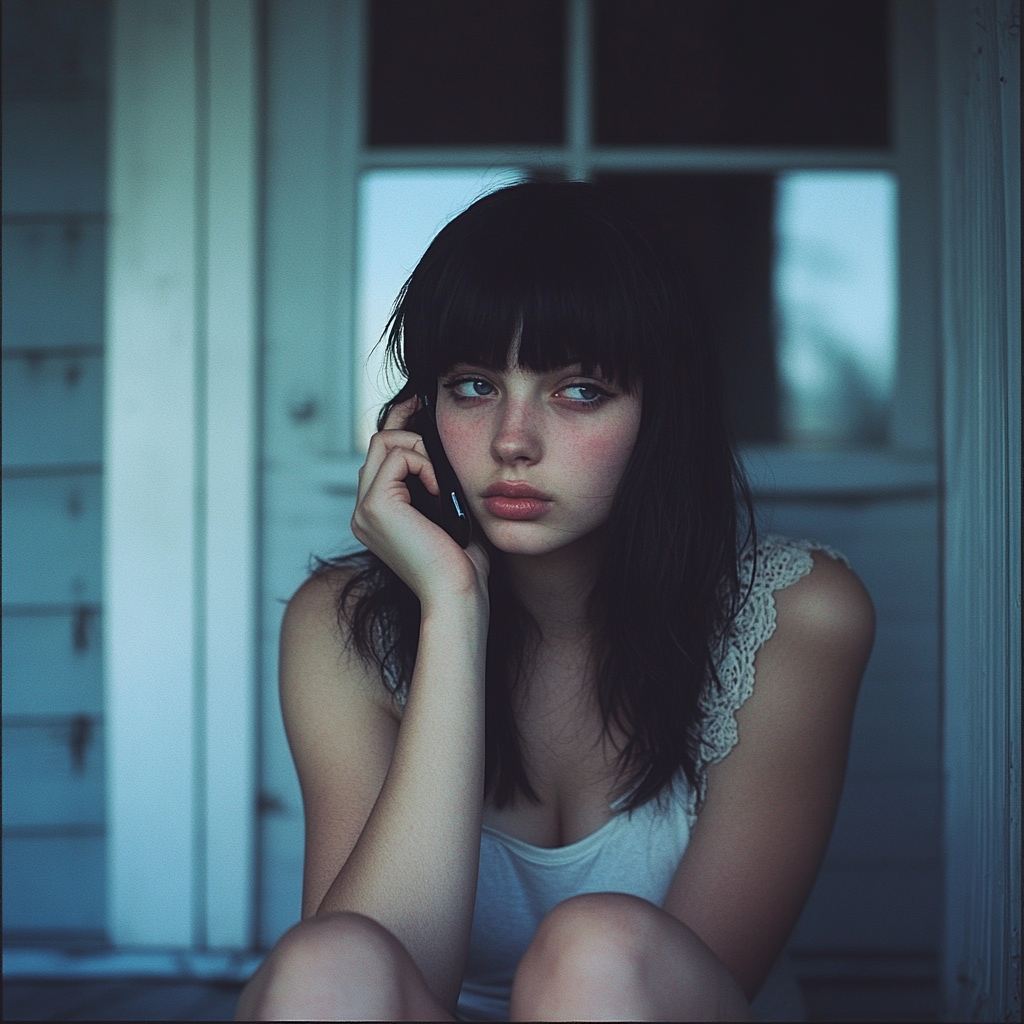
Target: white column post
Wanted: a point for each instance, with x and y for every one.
(180, 464)
(150, 480)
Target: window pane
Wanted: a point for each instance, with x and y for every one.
(795, 278)
(741, 72)
(459, 72)
(835, 292)
(399, 214)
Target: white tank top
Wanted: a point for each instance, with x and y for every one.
(635, 853)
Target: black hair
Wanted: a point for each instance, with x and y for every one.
(561, 267)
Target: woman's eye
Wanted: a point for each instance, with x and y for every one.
(470, 387)
(588, 394)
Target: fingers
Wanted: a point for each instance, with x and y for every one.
(391, 460)
(400, 415)
(381, 445)
(382, 510)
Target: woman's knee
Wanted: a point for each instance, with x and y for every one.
(333, 967)
(611, 955)
(597, 936)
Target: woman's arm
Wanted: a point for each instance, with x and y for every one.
(767, 818)
(392, 809)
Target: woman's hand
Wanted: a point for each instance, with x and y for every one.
(432, 564)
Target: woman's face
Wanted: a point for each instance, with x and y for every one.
(539, 455)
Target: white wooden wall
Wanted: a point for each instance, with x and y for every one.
(54, 230)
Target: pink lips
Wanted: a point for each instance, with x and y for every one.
(515, 499)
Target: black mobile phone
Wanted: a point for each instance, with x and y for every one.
(449, 509)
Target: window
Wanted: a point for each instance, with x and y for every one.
(754, 139)
(400, 211)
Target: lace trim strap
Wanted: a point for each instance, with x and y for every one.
(780, 563)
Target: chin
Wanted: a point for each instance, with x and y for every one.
(526, 538)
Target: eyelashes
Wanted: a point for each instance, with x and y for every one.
(459, 381)
(597, 394)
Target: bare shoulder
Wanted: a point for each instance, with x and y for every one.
(825, 619)
(317, 652)
(341, 728)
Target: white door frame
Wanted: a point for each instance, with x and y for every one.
(979, 103)
(180, 472)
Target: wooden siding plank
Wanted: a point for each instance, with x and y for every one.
(53, 773)
(896, 728)
(893, 546)
(52, 410)
(52, 664)
(53, 274)
(51, 539)
(872, 909)
(887, 820)
(55, 154)
(54, 883)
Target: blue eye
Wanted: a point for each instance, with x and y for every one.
(470, 387)
(586, 393)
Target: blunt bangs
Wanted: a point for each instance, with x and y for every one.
(552, 266)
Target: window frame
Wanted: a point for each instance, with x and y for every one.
(907, 464)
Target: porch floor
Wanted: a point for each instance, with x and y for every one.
(120, 999)
(174, 999)
(88, 980)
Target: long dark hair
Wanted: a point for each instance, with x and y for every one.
(564, 269)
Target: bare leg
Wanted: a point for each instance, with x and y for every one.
(609, 956)
(339, 967)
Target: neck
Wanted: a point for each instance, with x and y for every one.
(554, 587)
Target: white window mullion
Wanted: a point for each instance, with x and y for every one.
(579, 114)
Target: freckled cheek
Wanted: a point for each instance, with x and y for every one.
(595, 463)
(466, 446)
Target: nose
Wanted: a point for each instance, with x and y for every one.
(517, 438)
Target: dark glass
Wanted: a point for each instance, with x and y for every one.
(741, 73)
(720, 227)
(465, 72)
(54, 48)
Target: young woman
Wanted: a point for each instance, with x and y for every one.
(586, 767)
